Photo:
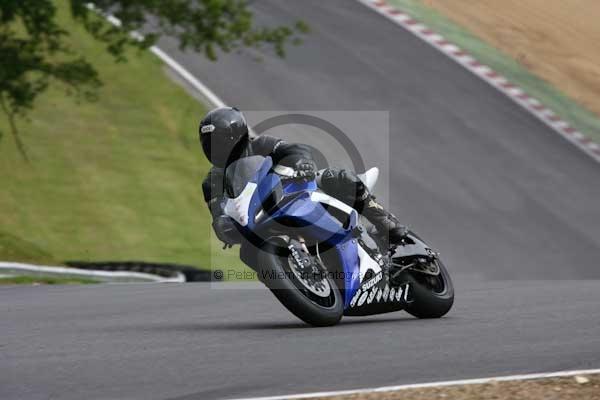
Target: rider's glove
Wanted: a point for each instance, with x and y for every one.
(305, 169)
(226, 230)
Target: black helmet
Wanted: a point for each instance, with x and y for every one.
(222, 132)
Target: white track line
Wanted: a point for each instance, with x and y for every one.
(482, 71)
(455, 53)
(177, 67)
(188, 77)
(517, 94)
(429, 385)
(179, 278)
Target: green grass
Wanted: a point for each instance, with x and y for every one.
(44, 280)
(117, 179)
(581, 118)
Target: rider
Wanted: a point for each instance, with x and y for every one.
(225, 138)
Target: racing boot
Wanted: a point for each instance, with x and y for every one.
(388, 226)
(349, 188)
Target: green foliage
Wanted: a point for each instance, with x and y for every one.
(117, 179)
(201, 25)
(34, 52)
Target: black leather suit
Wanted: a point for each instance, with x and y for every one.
(341, 184)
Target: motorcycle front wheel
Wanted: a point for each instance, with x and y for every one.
(316, 303)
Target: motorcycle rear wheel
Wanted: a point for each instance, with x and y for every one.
(430, 296)
(275, 271)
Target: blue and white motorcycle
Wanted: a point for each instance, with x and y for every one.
(318, 255)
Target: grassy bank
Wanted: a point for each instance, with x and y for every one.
(116, 179)
(44, 280)
(581, 118)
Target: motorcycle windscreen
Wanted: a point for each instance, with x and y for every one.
(239, 173)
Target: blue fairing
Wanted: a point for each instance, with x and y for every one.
(348, 253)
(297, 207)
(296, 187)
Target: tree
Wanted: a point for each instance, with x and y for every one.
(34, 54)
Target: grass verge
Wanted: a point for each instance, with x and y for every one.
(581, 118)
(44, 280)
(115, 179)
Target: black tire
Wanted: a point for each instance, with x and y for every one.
(429, 300)
(274, 271)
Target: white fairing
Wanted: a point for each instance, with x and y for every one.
(238, 208)
(367, 263)
(331, 201)
(369, 178)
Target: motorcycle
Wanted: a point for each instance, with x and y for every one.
(320, 258)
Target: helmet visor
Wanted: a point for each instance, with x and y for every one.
(221, 149)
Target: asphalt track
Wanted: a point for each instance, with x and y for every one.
(494, 189)
(511, 205)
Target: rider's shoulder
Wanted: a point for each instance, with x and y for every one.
(264, 143)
